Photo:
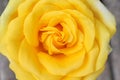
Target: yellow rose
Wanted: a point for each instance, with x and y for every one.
(56, 39)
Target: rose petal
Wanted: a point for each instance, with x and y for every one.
(61, 66)
(94, 75)
(68, 23)
(103, 38)
(31, 25)
(89, 63)
(62, 4)
(102, 14)
(50, 46)
(8, 14)
(71, 78)
(77, 47)
(81, 7)
(14, 34)
(86, 26)
(26, 7)
(28, 59)
(20, 72)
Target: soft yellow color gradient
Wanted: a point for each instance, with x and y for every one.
(56, 39)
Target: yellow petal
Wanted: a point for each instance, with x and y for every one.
(26, 7)
(13, 38)
(89, 63)
(61, 66)
(20, 72)
(28, 59)
(103, 38)
(77, 47)
(68, 23)
(94, 75)
(9, 14)
(102, 14)
(81, 7)
(62, 4)
(31, 25)
(14, 33)
(50, 46)
(86, 26)
(71, 78)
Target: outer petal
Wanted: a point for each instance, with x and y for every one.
(14, 32)
(94, 75)
(71, 78)
(86, 25)
(28, 60)
(21, 73)
(102, 14)
(13, 38)
(89, 63)
(103, 38)
(61, 65)
(81, 7)
(9, 14)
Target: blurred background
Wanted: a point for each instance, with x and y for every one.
(112, 71)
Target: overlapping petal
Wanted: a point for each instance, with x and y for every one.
(56, 40)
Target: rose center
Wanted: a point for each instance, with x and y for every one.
(52, 38)
(58, 32)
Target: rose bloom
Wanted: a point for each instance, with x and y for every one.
(56, 39)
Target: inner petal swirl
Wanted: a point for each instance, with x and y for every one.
(58, 30)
